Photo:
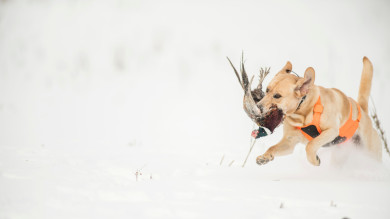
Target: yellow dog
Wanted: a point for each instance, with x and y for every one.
(318, 116)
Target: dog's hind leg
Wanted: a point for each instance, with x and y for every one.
(376, 144)
(369, 137)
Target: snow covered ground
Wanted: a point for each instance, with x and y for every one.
(92, 92)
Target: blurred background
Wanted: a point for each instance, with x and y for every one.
(116, 72)
(89, 84)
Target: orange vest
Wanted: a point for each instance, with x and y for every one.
(313, 129)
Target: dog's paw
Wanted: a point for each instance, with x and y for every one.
(316, 161)
(263, 159)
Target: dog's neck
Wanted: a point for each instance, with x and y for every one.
(297, 118)
(307, 105)
(300, 102)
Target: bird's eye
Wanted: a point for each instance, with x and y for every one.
(277, 96)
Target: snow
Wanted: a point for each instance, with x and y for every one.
(93, 91)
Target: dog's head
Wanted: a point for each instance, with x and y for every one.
(285, 91)
(282, 96)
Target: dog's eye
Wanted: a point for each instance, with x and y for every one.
(267, 90)
(277, 96)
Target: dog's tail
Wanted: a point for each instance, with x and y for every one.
(365, 84)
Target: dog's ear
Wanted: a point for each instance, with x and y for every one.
(306, 83)
(287, 68)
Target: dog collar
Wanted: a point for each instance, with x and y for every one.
(299, 105)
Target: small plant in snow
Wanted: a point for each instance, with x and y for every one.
(137, 173)
(378, 126)
(223, 157)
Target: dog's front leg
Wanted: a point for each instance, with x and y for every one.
(284, 147)
(313, 145)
